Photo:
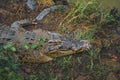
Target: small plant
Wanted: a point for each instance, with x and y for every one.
(39, 43)
(78, 35)
(92, 52)
(98, 72)
(79, 60)
(8, 63)
(89, 35)
(34, 46)
(118, 49)
(110, 19)
(80, 12)
(86, 35)
(9, 46)
(66, 62)
(26, 45)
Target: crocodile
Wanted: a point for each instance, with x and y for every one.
(57, 44)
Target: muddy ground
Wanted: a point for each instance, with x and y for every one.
(72, 67)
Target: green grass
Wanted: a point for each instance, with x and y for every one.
(86, 35)
(9, 65)
(99, 72)
(92, 52)
(47, 71)
(35, 45)
(63, 29)
(80, 11)
(118, 49)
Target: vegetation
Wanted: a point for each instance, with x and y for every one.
(93, 25)
(9, 65)
(34, 46)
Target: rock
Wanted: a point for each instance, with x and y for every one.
(111, 76)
